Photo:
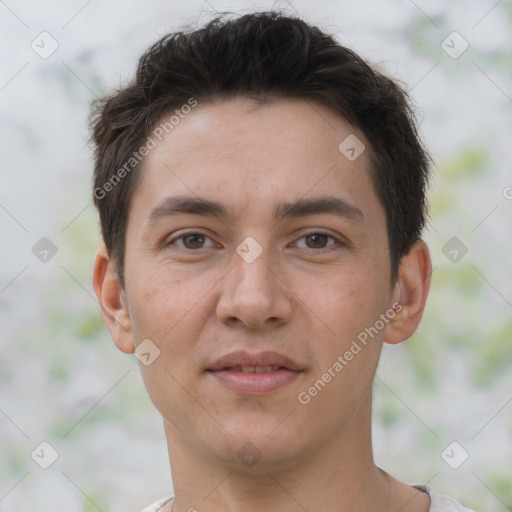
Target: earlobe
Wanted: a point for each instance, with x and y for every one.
(111, 297)
(411, 292)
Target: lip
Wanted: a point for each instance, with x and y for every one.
(243, 358)
(226, 371)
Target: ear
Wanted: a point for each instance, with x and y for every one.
(112, 301)
(411, 290)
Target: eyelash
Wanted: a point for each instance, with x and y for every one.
(338, 242)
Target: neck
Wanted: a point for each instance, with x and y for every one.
(339, 474)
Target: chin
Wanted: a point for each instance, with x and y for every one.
(258, 444)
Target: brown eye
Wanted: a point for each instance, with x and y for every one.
(319, 241)
(190, 241)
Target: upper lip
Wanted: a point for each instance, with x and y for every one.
(242, 358)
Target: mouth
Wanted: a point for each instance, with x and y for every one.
(255, 374)
(255, 369)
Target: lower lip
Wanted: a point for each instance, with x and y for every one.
(255, 383)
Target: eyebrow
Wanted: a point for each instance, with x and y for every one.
(176, 205)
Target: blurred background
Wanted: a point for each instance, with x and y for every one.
(443, 400)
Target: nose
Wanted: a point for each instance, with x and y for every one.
(254, 294)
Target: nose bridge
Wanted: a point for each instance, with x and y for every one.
(252, 269)
(253, 293)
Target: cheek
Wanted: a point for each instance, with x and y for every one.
(347, 363)
(152, 309)
(349, 302)
(159, 301)
(162, 310)
(170, 311)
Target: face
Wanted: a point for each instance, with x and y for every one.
(274, 259)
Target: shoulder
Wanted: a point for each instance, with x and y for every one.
(158, 505)
(441, 502)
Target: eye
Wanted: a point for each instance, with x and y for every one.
(318, 240)
(191, 241)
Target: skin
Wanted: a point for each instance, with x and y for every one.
(196, 299)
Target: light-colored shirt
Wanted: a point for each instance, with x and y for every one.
(441, 502)
(438, 502)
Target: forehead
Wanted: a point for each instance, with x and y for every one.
(254, 157)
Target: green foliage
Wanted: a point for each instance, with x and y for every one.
(92, 501)
(453, 315)
(468, 164)
(90, 327)
(495, 354)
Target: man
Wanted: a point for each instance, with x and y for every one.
(261, 192)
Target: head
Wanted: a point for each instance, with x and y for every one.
(277, 135)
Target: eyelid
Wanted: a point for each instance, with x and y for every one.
(183, 235)
(339, 240)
